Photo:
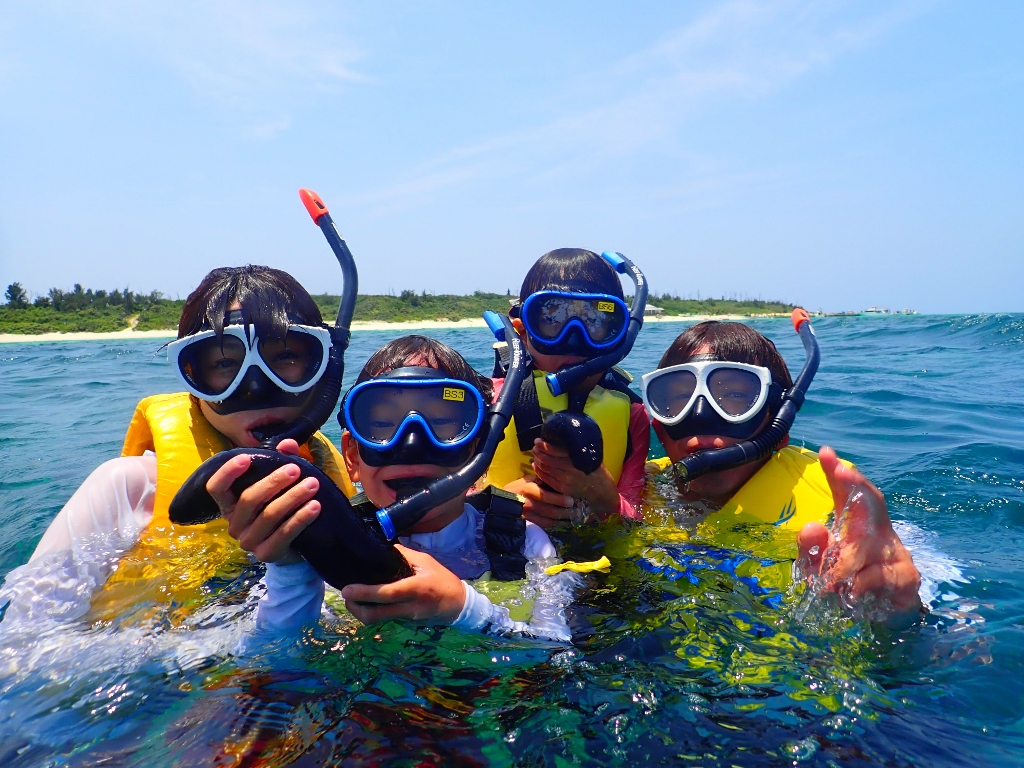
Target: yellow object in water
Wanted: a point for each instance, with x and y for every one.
(172, 563)
(602, 564)
(610, 409)
(789, 491)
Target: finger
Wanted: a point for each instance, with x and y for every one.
(812, 541)
(380, 594)
(377, 614)
(219, 484)
(546, 515)
(553, 463)
(869, 513)
(543, 446)
(278, 510)
(278, 545)
(555, 481)
(534, 492)
(289, 447)
(251, 502)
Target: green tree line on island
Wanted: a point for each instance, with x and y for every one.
(89, 310)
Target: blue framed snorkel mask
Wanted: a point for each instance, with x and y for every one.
(414, 415)
(597, 326)
(566, 323)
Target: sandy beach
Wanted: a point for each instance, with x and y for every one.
(359, 325)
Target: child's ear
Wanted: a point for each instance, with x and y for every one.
(350, 450)
(518, 325)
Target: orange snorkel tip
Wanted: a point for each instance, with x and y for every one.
(314, 205)
(799, 317)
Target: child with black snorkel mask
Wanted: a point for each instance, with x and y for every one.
(720, 387)
(571, 313)
(413, 416)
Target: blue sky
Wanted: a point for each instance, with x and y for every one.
(833, 154)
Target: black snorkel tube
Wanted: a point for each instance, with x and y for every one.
(405, 513)
(326, 395)
(718, 459)
(568, 379)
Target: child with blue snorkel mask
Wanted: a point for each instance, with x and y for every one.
(413, 416)
(572, 315)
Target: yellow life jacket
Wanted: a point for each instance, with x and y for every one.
(789, 491)
(608, 408)
(172, 563)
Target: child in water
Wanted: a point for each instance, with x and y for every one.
(251, 351)
(571, 308)
(721, 383)
(413, 416)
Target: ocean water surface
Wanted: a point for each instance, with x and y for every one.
(685, 653)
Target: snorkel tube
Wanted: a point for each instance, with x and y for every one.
(718, 459)
(405, 513)
(568, 379)
(327, 393)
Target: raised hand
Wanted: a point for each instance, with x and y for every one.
(267, 516)
(861, 558)
(431, 594)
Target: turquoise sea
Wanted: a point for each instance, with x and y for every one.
(684, 654)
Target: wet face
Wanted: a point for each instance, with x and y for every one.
(379, 485)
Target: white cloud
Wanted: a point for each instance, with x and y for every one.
(236, 53)
(740, 50)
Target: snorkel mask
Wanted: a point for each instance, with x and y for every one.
(414, 415)
(707, 396)
(238, 371)
(565, 323)
(704, 397)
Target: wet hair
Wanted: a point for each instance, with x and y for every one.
(423, 351)
(270, 300)
(571, 269)
(734, 342)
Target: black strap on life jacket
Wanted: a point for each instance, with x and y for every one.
(526, 414)
(504, 532)
(529, 419)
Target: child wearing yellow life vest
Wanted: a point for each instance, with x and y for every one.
(722, 385)
(572, 313)
(252, 351)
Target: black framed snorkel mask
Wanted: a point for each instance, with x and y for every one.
(703, 397)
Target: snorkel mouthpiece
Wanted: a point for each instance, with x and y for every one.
(691, 467)
(406, 512)
(571, 377)
(328, 390)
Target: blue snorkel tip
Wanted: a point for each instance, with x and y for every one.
(493, 321)
(553, 383)
(386, 525)
(616, 260)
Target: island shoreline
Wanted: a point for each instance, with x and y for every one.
(359, 325)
